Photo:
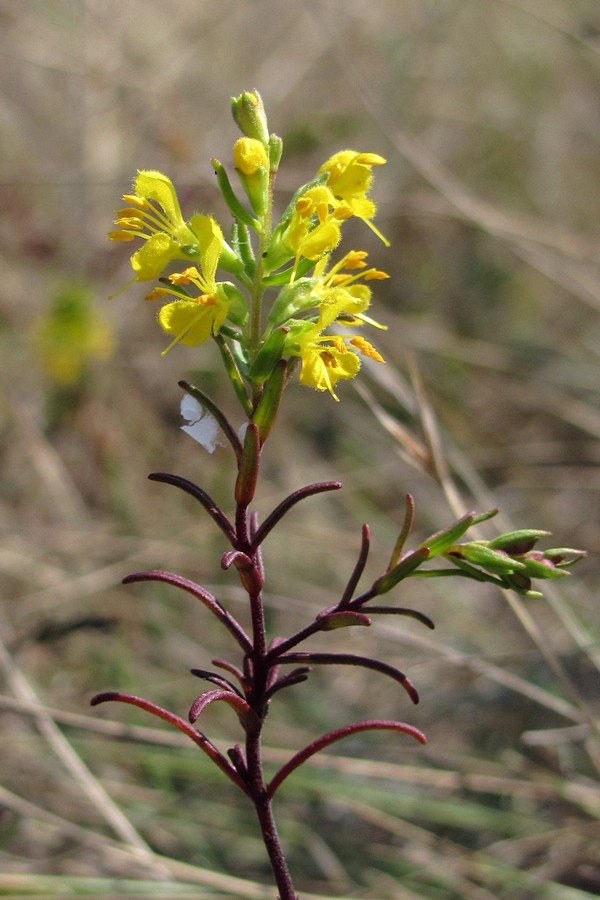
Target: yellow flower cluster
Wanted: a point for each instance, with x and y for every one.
(327, 357)
(319, 304)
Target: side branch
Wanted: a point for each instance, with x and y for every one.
(358, 568)
(337, 735)
(199, 494)
(349, 659)
(285, 505)
(197, 591)
(198, 738)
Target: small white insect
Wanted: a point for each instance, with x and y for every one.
(202, 426)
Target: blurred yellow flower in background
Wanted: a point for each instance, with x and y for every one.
(70, 334)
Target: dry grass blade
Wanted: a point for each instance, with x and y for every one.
(89, 785)
(231, 886)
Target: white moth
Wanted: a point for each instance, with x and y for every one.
(201, 425)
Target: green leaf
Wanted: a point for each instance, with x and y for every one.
(441, 540)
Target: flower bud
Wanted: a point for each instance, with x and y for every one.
(479, 553)
(250, 117)
(252, 165)
(238, 307)
(517, 542)
(275, 151)
(249, 156)
(266, 411)
(538, 565)
(268, 356)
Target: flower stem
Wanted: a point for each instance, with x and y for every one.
(257, 665)
(264, 812)
(257, 289)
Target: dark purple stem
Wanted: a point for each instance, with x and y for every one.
(257, 671)
(259, 677)
(262, 803)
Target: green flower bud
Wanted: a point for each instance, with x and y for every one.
(479, 553)
(564, 557)
(275, 151)
(267, 409)
(517, 542)
(537, 565)
(292, 299)
(238, 307)
(268, 356)
(250, 117)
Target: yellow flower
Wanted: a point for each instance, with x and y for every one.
(328, 358)
(194, 319)
(315, 225)
(325, 361)
(153, 215)
(341, 288)
(249, 155)
(349, 179)
(70, 334)
(252, 165)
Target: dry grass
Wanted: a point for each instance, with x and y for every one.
(487, 113)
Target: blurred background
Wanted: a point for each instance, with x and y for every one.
(488, 113)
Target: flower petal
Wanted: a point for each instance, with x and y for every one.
(149, 261)
(152, 185)
(210, 238)
(190, 322)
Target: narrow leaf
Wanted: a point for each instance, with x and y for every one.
(337, 735)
